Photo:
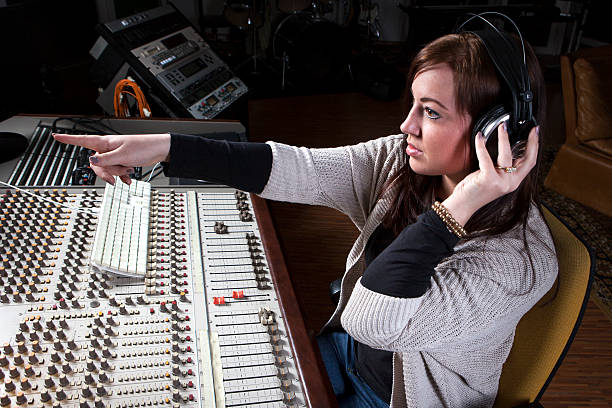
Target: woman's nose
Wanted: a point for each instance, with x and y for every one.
(410, 125)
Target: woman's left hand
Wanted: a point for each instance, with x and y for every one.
(492, 181)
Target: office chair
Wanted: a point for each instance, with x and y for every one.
(545, 333)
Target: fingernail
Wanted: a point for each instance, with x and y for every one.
(505, 124)
(93, 159)
(538, 130)
(479, 134)
(128, 171)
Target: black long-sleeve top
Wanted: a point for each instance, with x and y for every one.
(399, 266)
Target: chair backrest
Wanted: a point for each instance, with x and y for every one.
(544, 334)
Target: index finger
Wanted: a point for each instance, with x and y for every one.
(94, 142)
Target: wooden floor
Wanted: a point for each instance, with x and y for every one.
(316, 240)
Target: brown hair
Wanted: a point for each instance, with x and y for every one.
(477, 89)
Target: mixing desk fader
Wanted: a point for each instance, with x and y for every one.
(203, 328)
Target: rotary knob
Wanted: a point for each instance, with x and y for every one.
(60, 394)
(64, 381)
(55, 357)
(18, 360)
(85, 391)
(8, 349)
(9, 385)
(49, 383)
(5, 400)
(45, 396)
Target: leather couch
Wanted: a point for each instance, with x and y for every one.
(582, 169)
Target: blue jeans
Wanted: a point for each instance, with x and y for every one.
(338, 353)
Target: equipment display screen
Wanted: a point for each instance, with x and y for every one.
(193, 67)
(174, 41)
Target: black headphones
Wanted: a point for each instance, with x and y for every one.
(511, 65)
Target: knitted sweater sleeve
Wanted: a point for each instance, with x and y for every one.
(345, 178)
(484, 288)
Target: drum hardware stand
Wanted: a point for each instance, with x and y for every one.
(252, 24)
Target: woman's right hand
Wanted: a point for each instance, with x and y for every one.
(117, 155)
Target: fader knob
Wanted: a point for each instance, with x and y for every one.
(83, 403)
(103, 378)
(176, 396)
(8, 349)
(98, 403)
(101, 391)
(52, 370)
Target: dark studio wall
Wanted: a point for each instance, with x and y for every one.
(45, 49)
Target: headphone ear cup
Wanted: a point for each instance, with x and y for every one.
(488, 123)
(522, 132)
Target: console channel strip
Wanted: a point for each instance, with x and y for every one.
(203, 328)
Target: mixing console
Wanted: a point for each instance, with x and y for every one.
(203, 328)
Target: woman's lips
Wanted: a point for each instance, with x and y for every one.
(413, 151)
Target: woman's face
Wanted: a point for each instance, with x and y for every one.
(436, 131)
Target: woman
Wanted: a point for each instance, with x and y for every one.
(424, 318)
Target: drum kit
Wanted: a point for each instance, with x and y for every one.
(305, 45)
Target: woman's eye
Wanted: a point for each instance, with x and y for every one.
(431, 114)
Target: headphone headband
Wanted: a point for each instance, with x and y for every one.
(510, 63)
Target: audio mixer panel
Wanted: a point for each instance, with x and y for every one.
(204, 328)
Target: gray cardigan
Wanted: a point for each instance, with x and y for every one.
(450, 344)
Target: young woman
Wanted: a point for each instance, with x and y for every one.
(453, 249)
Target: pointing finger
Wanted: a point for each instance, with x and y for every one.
(94, 142)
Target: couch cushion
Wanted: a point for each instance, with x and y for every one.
(594, 102)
